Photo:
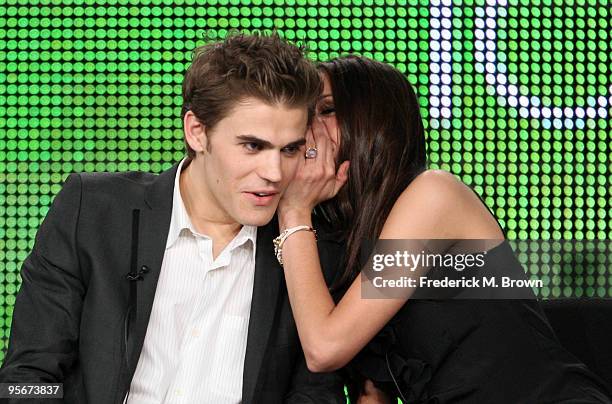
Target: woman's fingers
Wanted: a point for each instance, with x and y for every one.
(326, 163)
(372, 395)
(321, 163)
(319, 126)
(310, 143)
(342, 174)
(325, 129)
(321, 136)
(318, 179)
(329, 153)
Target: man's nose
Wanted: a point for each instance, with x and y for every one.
(271, 169)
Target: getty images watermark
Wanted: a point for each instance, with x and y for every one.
(481, 269)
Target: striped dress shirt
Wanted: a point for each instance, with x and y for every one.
(195, 344)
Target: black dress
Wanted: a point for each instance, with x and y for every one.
(474, 351)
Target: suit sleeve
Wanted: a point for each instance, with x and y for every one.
(45, 325)
(310, 388)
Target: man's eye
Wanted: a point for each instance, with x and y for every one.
(252, 146)
(291, 150)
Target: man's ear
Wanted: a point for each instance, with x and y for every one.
(195, 132)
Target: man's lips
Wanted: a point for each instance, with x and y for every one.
(261, 198)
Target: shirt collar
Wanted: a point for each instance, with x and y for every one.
(180, 220)
(246, 233)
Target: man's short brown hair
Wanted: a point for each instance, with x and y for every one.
(265, 67)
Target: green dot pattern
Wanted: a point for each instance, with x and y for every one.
(516, 97)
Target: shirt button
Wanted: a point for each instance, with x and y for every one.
(195, 332)
(178, 392)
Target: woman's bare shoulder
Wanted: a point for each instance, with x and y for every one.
(437, 204)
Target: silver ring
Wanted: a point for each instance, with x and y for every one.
(311, 153)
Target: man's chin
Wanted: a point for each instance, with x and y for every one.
(258, 220)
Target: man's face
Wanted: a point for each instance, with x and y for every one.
(252, 155)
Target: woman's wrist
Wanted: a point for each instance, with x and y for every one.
(293, 217)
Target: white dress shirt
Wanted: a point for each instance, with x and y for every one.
(195, 344)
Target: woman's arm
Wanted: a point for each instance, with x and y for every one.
(434, 206)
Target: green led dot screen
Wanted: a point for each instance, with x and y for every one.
(516, 96)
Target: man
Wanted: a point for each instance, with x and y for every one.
(150, 289)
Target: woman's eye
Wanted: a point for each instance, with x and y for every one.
(329, 110)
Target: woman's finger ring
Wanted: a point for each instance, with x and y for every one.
(311, 153)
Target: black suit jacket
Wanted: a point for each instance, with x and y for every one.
(71, 321)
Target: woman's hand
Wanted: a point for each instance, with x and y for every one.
(316, 180)
(372, 395)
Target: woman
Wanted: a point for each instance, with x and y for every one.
(417, 350)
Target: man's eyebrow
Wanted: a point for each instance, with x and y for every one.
(266, 144)
(297, 143)
(254, 139)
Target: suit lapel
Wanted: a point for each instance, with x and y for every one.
(268, 278)
(154, 226)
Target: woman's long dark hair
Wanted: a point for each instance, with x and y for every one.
(382, 134)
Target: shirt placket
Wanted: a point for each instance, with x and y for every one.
(194, 334)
